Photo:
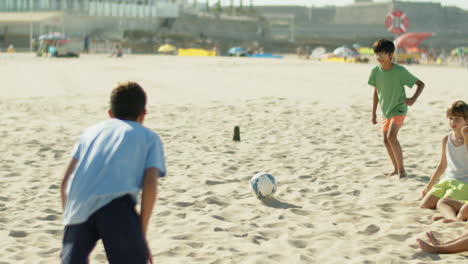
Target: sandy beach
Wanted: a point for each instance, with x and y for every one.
(305, 122)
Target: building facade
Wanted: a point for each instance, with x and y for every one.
(366, 20)
(22, 20)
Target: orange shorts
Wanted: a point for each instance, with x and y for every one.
(394, 120)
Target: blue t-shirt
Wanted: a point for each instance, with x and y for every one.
(112, 157)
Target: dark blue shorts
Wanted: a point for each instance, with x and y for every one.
(119, 227)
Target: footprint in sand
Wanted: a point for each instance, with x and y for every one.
(309, 177)
(164, 213)
(182, 237)
(354, 193)
(370, 229)
(212, 200)
(53, 187)
(181, 215)
(195, 244)
(49, 252)
(218, 217)
(259, 239)
(369, 251)
(183, 204)
(274, 225)
(18, 234)
(298, 243)
(307, 225)
(300, 212)
(53, 231)
(50, 217)
(307, 259)
(209, 182)
(399, 238)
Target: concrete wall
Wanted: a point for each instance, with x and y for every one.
(213, 27)
(364, 14)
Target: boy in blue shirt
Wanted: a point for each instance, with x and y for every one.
(112, 162)
(389, 80)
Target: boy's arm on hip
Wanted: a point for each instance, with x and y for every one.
(419, 88)
(148, 196)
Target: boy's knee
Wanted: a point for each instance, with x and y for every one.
(392, 138)
(385, 138)
(426, 205)
(463, 214)
(430, 203)
(442, 201)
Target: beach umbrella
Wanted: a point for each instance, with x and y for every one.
(356, 46)
(55, 36)
(237, 51)
(412, 39)
(318, 52)
(345, 51)
(460, 51)
(365, 51)
(266, 56)
(52, 36)
(166, 48)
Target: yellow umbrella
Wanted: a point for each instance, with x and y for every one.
(166, 48)
(366, 51)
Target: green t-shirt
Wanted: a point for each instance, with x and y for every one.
(390, 86)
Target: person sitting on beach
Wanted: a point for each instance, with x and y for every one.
(433, 245)
(11, 49)
(450, 194)
(117, 52)
(388, 80)
(112, 162)
(53, 52)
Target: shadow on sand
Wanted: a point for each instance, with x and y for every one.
(275, 203)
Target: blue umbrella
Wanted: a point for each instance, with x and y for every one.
(266, 55)
(237, 51)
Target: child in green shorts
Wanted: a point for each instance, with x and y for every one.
(450, 195)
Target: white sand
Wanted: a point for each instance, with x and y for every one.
(305, 122)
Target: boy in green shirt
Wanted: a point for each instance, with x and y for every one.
(389, 80)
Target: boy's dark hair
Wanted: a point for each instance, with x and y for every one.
(458, 108)
(128, 101)
(383, 45)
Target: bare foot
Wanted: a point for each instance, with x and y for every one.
(437, 218)
(402, 175)
(391, 173)
(432, 239)
(426, 247)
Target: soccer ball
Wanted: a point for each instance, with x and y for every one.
(263, 184)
